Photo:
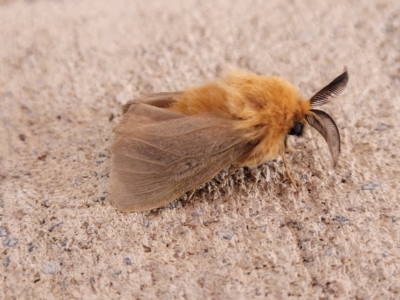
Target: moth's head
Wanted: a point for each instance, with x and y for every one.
(274, 105)
(320, 120)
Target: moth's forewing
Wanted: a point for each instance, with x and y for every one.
(156, 159)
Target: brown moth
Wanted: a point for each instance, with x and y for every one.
(170, 143)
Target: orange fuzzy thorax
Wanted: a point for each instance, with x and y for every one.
(263, 107)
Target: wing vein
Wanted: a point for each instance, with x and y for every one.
(141, 159)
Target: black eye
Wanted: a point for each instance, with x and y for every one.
(297, 129)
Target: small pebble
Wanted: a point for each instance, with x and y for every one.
(127, 261)
(10, 242)
(52, 267)
(227, 234)
(6, 261)
(371, 186)
(3, 231)
(341, 219)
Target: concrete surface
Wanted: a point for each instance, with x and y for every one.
(66, 67)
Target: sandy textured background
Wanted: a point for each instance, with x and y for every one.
(67, 66)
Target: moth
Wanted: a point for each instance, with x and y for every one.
(168, 144)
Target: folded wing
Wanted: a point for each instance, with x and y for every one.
(158, 155)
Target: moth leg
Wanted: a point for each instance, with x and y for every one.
(287, 170)
(288, 147)
(191, 195)
(231, 172)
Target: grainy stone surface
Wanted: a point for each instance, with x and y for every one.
(66, 67)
